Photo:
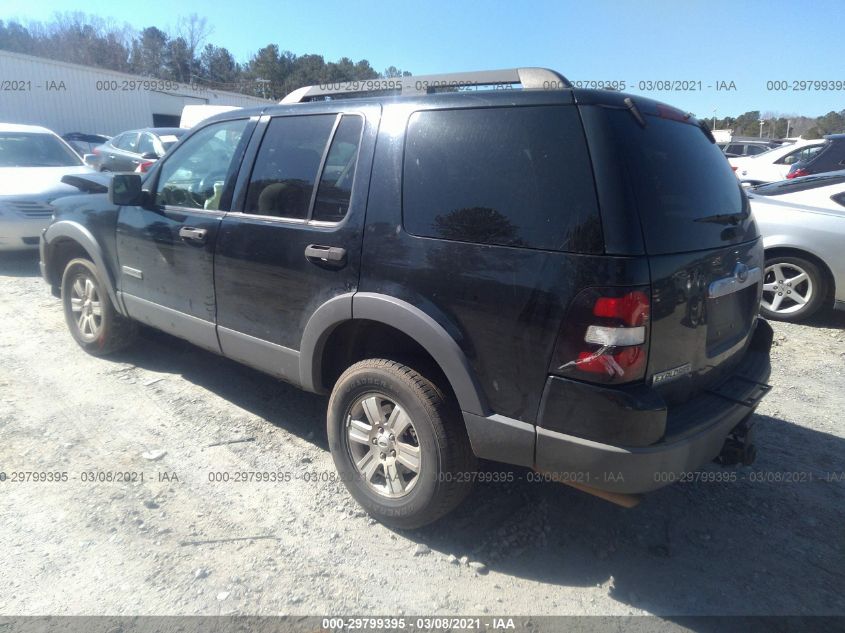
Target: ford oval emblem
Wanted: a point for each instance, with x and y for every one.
(741, 271)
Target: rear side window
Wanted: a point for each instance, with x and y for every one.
(680, 181)
(287, 164)
(339, 171)
(507, 176)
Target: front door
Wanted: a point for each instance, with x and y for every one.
(293, 239)
(166, 251)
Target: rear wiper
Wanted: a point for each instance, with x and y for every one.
(634, 110)
(724, 218)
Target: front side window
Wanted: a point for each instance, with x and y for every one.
(195, 176)
(127, 142)
(287, 164)
(508, 176)
(146, 145)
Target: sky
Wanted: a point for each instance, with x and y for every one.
(740, 46)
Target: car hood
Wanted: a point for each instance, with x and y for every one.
(40, 183)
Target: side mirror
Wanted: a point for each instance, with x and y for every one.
(125, 191)
(150, 156)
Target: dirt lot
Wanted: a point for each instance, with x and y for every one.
(178, 543)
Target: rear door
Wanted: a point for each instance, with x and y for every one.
(703, 249)
(166, 251)
(295, 241)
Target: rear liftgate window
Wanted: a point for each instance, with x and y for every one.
(679, 179)
(509, 176)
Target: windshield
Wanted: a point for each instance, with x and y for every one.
(27, 149)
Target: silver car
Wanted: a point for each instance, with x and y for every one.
(33, 161)
(803, 226)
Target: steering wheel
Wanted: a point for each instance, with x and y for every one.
(206, 186)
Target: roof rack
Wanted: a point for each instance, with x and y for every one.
(529, 78)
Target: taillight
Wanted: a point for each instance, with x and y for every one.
(144, 167)
(605, 336)
(734, 167)
(95, 150)
(797, 173)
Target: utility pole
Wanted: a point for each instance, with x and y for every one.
(714, 118)
(762, 121)
(788, 121)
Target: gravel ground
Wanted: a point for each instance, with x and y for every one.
(178, 543)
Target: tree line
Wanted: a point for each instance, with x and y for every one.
(183, 55)
(776, 125)
(186, 55)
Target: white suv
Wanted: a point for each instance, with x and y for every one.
(773, 165)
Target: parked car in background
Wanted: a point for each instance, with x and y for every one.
(803, 226)
(33, 161)
(773, 165)
(84, 143)
(830, 157)
(744, 148)
(318, 241)
(126, 151)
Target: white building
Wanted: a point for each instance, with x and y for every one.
(73, 98)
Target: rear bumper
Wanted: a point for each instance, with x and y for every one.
(695, 433)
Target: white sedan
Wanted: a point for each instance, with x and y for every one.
(33, 161)
(773, 165)
(803, 226)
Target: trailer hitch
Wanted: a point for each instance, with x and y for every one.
(739, 447)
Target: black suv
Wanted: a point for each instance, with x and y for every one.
(829, 157)
(557, 278)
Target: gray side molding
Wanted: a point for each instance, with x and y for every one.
(83, 237)
(434, 339)
(320, 325)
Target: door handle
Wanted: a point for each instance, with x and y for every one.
(190, 234)
(319, 254)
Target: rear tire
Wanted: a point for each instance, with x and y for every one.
(90, 316)
(398, 443)
(793, 289)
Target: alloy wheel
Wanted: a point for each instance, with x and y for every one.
(86, 307)
(787, 288)
(383, 444)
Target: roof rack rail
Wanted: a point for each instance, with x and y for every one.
(529, 78)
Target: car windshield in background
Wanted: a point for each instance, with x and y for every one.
(799, 184)
(27, 149)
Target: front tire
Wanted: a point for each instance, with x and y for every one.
(793, 289)
(90, 316)
(398, 443)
